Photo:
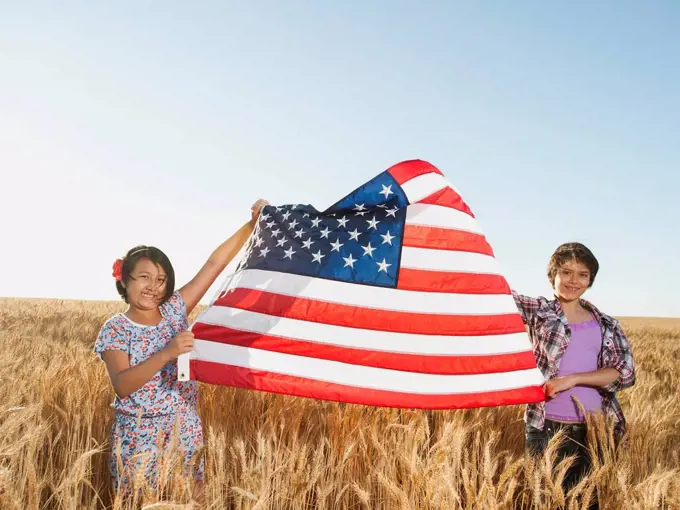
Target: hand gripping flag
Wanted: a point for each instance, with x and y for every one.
(391, 297)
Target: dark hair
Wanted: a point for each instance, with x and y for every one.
(573, 251)
(154, 255)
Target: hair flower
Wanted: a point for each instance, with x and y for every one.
(118, 269)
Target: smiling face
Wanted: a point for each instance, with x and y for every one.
(146, 285)
(572, 279)
(572, 270)
(147, 277)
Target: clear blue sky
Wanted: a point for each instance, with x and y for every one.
(161, 122)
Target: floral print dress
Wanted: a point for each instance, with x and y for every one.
(163, 413)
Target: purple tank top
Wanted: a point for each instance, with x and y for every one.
(581, 355)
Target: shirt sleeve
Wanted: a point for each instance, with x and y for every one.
(526, 305)
(621, 360)
(176, 307)
(111, 338)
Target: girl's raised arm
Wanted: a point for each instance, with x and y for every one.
(194, 291)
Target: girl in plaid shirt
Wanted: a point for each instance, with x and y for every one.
(582, 352)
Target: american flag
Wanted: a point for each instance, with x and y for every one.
(391, 297)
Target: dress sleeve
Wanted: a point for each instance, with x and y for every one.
(111, 338)
(175, 307)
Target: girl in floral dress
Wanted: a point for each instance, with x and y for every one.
(140, 348)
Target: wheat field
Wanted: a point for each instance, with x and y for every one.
(268, 451)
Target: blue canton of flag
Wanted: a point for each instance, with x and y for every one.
(358, 239)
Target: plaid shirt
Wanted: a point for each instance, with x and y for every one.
(550, 335)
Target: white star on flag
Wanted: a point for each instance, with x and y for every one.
(382, 266)
(372, 224)
(349, 261)
(387, 238)
(387, 191)
(368, 250)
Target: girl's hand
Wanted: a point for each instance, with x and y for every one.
(555, 386)
(181, 344)
(255, 211)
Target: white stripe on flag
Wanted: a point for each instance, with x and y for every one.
(368, 377)
(445, 260)
(383, 341)
(427, 215)
(382, 298)
(424, 185)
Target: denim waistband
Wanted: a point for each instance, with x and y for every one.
(570, 427)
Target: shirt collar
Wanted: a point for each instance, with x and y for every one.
(602, 318)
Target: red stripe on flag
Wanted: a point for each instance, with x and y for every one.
(447, 197)
(417, 236)
(336, 314)
(445, 281)
(239, 377)
(407, 170)
(431, 364)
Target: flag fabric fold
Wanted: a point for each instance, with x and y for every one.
(391, 297)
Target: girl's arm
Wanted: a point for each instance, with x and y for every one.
(597, 379)
(194, 291)
(126, 380)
